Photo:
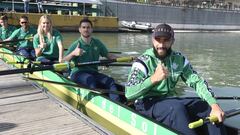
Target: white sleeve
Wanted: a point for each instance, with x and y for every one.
(140, 66)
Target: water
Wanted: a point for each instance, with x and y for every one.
(215, 56)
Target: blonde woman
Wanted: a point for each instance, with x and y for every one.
(47, 42)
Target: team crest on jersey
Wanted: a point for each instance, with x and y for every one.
(95, 48)
(174, 66)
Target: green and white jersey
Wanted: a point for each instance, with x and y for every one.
(51, 51)
(139, 83)
(5, 33)
(21, 34)
(92, 52)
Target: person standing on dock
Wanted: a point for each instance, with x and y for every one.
(5, 30)
(26, 6)
(24, 47)
(151, 84)
(40, 7)
(87, 49)
(48, 41)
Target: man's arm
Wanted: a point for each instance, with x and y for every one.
(76, 52)
(193, 80)
(38, 47)
(138, 81)
(60, 49)
(12, 36)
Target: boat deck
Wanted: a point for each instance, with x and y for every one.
(25, 109)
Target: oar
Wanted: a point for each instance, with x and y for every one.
(127, 53)
(104, 62)
(98, 91)
(201, 122)
(118, 52)
(61, 66)
(119, 64)
(27, 70)
(16, 40)
(100, 62)
(32, 62)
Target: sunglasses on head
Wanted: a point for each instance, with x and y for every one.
(23, 22)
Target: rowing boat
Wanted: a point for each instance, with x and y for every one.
(116, 117)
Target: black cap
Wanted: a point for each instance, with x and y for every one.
(163, 30)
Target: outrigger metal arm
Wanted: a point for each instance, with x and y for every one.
(201, 122)
(96, 90)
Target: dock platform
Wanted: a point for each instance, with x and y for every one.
(26, 109)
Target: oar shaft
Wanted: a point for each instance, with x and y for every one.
(104, 62)
(33, 62)
(232, 112)
(127, 53)
(62, 66)
(118, 65)
(26, 70)
(11, 41)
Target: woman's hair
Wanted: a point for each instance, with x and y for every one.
(40, 31)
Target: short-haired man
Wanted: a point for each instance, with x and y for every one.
(87, 49)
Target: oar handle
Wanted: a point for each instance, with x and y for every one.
(195, 124)
(29, 38)
(200, 122)
(63, 66)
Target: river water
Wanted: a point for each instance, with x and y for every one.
(215, 56)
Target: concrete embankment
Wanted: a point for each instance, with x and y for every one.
(68, 22)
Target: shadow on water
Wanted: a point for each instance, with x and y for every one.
(7, 126)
